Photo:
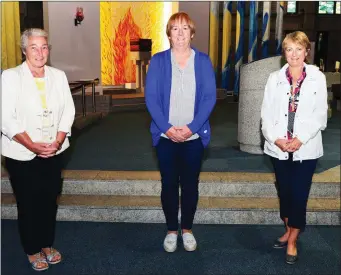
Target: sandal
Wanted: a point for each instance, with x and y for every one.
(37, 263)
(53, 254)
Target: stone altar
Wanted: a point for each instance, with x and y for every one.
(141, 60)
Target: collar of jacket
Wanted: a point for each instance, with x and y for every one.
(28, 72)
(311, 70)
(29, 78)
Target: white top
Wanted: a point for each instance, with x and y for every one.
(22, 109)
(310, 118)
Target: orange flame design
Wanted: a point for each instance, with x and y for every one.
(127, 30)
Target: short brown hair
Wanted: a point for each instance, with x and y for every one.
(297, 37)
(180, 16)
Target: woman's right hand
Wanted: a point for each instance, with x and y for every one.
(283, 144)
(175, 135)
(43, 150)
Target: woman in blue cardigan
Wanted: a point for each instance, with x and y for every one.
(180, 96)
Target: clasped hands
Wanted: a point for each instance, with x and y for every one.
(290, 146)
(45, 150)
(179, 134)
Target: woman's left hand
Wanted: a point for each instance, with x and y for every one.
(294, 145)
(54, 148)
(185, 131)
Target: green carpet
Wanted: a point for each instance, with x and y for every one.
(121, 141)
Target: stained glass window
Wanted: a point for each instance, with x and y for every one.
(338, 4)
(326, 7)
(291, 8)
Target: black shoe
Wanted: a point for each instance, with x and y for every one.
(279, 244)
(291, 259)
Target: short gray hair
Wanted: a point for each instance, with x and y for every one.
(32, 32)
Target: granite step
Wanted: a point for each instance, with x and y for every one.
(211, 210)
(228, 184)
(225, 197)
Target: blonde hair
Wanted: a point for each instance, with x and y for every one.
(297, 37)
(182, 17)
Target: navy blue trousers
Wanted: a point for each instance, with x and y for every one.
(180, 165)
(294, 180)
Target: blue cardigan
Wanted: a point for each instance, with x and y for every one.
(158, 89)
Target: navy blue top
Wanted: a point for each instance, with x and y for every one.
(158, 89)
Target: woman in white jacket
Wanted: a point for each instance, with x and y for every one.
(37, 115)
(294, 112)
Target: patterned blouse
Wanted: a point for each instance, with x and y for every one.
(294, 99)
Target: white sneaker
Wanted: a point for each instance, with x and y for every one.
(190, 244)
(170, 243)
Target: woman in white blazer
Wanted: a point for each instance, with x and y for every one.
(37, 115)
(294, 112)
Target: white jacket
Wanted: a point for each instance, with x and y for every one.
(22, 110)
(310, 118)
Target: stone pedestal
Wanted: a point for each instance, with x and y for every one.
(253, 77)
(332, 78)
(141, 60)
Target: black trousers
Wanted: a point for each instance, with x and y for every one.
(294, 180)
(180, 165)
(36, 185)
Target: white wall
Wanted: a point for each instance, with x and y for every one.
(200, 14)
(75, 50)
